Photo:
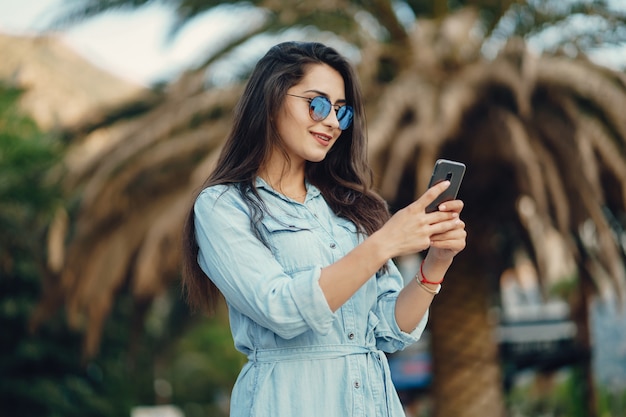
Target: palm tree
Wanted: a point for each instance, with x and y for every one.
(542, 136)
(544, 144)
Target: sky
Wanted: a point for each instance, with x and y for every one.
(134, 44)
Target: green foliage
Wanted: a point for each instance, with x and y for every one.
(203, 368)
(612, 400)
(27, 198)
(43, 371)
(563, 396)
(565, 287)
(41, 374)
(195, 368)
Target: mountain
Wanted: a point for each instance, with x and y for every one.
(62, 89)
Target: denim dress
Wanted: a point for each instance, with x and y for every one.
(303, 359)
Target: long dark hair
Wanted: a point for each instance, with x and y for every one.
(343, 177)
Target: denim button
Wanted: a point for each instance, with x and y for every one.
(350, 335)
(333, 246)
(357, 384)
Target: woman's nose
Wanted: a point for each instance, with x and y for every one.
(331, 119)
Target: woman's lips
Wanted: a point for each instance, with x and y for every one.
(322, 138)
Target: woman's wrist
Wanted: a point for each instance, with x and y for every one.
(428, 285)
(429, 288)
(433, 271)
(383, 248)
(424, 280)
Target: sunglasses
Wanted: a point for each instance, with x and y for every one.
(320, 107)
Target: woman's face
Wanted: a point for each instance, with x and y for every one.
(305, 139)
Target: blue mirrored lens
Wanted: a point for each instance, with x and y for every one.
(320, 108)
(345, 115)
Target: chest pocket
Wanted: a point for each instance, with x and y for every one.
(293, 241)
(346, 234)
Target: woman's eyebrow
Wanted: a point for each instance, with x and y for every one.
(321, 93)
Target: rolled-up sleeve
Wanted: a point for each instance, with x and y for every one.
(389, 336)
(247, 273)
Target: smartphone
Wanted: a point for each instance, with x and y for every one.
(446, 170)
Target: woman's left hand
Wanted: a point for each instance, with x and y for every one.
(444, 246)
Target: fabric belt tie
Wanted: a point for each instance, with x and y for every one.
(301, 353)
(309, 352)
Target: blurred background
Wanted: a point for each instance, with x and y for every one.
(112, 113)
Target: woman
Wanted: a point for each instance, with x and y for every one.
(288, 229)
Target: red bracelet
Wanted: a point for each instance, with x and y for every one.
(425, 280)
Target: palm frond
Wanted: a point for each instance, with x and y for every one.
(85, 9)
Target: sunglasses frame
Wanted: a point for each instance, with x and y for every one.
(336, 107)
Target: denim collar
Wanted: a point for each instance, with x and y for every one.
(311, 190)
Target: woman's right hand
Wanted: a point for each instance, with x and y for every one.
(409, 230)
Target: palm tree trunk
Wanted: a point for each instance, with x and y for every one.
(581, 314)
(467, 376)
